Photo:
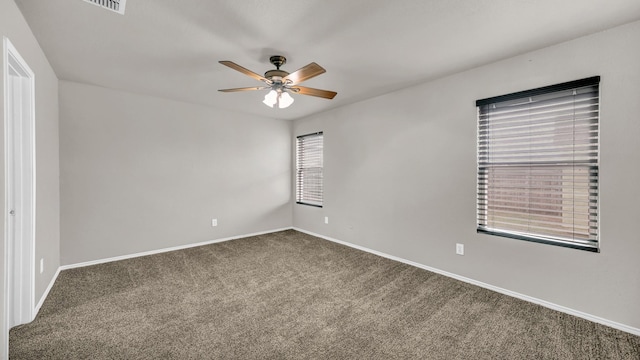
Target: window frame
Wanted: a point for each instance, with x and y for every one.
(483, 168)
(299, 182)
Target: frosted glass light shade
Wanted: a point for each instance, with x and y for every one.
(271, 98)
(284, 100)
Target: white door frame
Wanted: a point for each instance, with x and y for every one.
(19, 207)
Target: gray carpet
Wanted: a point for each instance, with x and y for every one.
(288, 295)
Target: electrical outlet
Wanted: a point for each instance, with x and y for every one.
(41, 265)
(326, 219)
(460, 249)
(214, 222)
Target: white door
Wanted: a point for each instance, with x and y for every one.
(19, 191)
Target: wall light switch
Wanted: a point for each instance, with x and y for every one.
(460, 249)
(326, 219)
(214, 222)
(41, 265)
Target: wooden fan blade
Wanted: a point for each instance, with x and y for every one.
(314, 92)
(305, 73)
(246, 88)
(243, 70)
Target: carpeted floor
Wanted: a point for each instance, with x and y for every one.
(288, 295)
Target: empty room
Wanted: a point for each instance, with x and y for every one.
(280, 179)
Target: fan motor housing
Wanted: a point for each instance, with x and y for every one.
(275, 74)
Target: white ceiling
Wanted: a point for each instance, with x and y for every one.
(171, 48)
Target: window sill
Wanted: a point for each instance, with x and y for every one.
(541, 240)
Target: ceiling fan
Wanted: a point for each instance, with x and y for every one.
(281, 83)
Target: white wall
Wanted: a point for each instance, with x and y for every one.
(400, 178)
(140, 173)
(14, 27)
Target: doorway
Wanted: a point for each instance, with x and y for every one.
(19, 137)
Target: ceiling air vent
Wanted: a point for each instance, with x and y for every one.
(113, 5)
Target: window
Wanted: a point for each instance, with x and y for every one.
(309, 169)
(538, 165)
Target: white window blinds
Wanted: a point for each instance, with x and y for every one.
(538, 164)
(114, 5)
(309, 163)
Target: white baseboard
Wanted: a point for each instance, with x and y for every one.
(46, 293)
(158, 251)
(566, 310)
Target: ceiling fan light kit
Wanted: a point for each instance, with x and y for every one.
(281, 83)
(283, 99)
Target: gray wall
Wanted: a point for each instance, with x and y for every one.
(140, 173)
(400, 177)
(14, 27)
